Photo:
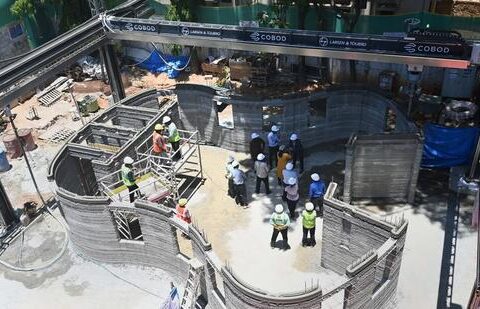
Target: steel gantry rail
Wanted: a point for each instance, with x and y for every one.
(122, 23)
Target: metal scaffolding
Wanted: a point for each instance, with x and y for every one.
(160, 179)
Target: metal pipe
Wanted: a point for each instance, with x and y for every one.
(471, 175)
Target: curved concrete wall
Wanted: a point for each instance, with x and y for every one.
(352, 110)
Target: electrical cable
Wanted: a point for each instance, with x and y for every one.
(170, 65)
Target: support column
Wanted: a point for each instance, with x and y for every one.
(113, 72)
(7, 214)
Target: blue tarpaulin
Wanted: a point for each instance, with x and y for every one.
(172, 64)
(447, 147)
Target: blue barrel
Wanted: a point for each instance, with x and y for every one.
(4, 165)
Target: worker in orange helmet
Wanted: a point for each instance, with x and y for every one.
(182, 212)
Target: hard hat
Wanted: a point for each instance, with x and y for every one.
(275, 129)
(235, 164)
(230, 159)
(309, 206)
(260, 157)
(128, 160)
(292, 181)
(254, 135)
(289, 166)
(166, 119)
(315, 177)
(182, 202)
(158, 127)
(278, 208)
(293, 137)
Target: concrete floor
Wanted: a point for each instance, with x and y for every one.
(73, 281)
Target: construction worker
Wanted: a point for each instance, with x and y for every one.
(182, 211)
(128, 178)
(173, 137)
(239, 187)
(158, 140)
(261, 169)
(273, 144)
(308, 221)
(280, 222)
(257, 145)
(292, 196)
(296, 149)
(282, 159)
(316, 192)
(287, 173)
(229, 176)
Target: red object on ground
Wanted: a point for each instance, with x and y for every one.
(12, 146)
(27, 139)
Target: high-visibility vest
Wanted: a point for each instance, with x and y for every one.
(183, 214)
(308, 219)
(125, 171)
(159, 144)
(174, 136)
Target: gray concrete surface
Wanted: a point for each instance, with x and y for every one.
(74, 281)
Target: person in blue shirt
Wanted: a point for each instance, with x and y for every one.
(273, 142)
(316, 192)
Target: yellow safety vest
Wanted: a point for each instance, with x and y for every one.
(126, 180)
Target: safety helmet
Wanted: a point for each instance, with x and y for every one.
(235, 164)
(278, 208)
(309, 206)
(230, 159)
(159, 127)
(260, 156)
(166, 119)
(254, 135)
(315, 177)
(275, 128)
(128, 160)
(292, 181)
(289, 166)
(293, 137)
(182, 202)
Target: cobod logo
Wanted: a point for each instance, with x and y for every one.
(137, 27)
(268, 37)
(412, 47)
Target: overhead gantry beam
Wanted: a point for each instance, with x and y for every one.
(409, 50)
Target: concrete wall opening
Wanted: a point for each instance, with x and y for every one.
(224, 114)
(127, 225)
(272, 115)
(317, 112)
(184, 244)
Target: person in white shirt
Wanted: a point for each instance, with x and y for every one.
(239, 187)
(261, 169)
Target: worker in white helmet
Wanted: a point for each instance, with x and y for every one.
(309, 215)
(173, 137)
(128, 178)
(257, 145)
(316, 191)
(292, 196)
(287, 173)
(280, 222)
(296, 149)
(229, 176)
(273, 140)
(261, 169)
(239, 187)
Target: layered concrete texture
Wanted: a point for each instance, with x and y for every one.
(382, 166)
(317, 117)
(366, 250)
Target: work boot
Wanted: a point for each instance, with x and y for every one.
(313, 242)
(272, 244)
(287, 246)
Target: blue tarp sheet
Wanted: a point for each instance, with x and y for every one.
(447, 147)
(155, 64)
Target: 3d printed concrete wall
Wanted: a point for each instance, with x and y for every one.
(340, 113)
(384, 165)
(371, 259)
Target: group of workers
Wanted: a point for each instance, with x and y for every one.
(163, 134)
(285, 159)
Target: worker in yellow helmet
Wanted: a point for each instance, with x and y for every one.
(182, 211)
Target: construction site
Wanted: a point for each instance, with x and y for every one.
(398, 226)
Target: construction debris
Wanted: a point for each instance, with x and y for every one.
(54, 91)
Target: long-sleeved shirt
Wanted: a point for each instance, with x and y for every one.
(317, 189)
(261, 168)
(229, 171)
(288, 174)
(238, 177)
(292, 192)
(280, 221)
(273, 139)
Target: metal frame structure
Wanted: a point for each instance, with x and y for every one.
(180, 178)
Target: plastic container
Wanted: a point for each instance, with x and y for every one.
(12, 146)
(4, 164)
(27, 139)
